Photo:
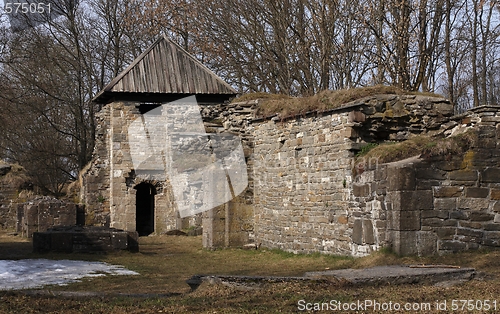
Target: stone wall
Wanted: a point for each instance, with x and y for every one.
(13, 185)
(95, 178)
(109, 182)
(443, 204)
(232, 224)
(43, 213)
(7, 193)
(305, 196)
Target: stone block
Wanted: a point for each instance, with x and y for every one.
(471, 224)
(380, 173)
(404, 220)
(492, 234)
(473, 203)
(490, 175)
(427, 243)
(496, 207)
(492, 227)
(481, 216)
(119, 240)
(357, 231)
(443, 214)
(430, 174)
(445, 203)
(449, 165)
(368, 237)
(356, 116)
(446, 233)
(454, 246)
(61, 242)
(459, 214)
(401, 178)
(447, 191)
(404, 242)
(342, 220)
(464, 175)
(491, 242)
(41, 242)
(427, 184)
(437, 222)
(495, 194)
(361, 190)
(476, 192)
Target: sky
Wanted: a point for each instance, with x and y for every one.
(37, 273)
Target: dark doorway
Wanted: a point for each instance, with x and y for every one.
(145, 209)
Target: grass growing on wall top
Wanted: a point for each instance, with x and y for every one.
(425, 146)
(329, 99)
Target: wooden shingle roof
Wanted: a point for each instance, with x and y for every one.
(166, 72)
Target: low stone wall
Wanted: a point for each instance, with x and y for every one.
(44, 213)
(80, 239)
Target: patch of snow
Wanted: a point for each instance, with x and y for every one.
(36, 273)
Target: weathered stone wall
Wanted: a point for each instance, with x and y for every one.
(305, 197)
(232, 224)
(95, 178)
(302, 172)
(7, 193)
(110, 180)
(13, 185)
(44, 213)
(80, 239)
(445, 204)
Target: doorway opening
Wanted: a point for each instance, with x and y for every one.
(145, 209)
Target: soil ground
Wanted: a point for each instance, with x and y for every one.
(165, 262)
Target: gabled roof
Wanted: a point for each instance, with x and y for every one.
(166, 72)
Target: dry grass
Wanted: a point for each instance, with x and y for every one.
(325, 100)
(16, 177)
(166, 262)
(425, 146)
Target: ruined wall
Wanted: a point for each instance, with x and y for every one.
(7, 193)
(43, 213)
(95, 178)
(305, 196)
(232, 224)
(446, 204)
(108, 183)
(14, 189)
(302, 169)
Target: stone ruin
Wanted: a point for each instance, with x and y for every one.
(85, 239)
(43, 213)
(305, 190)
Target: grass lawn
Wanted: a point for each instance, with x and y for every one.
(165, 262)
